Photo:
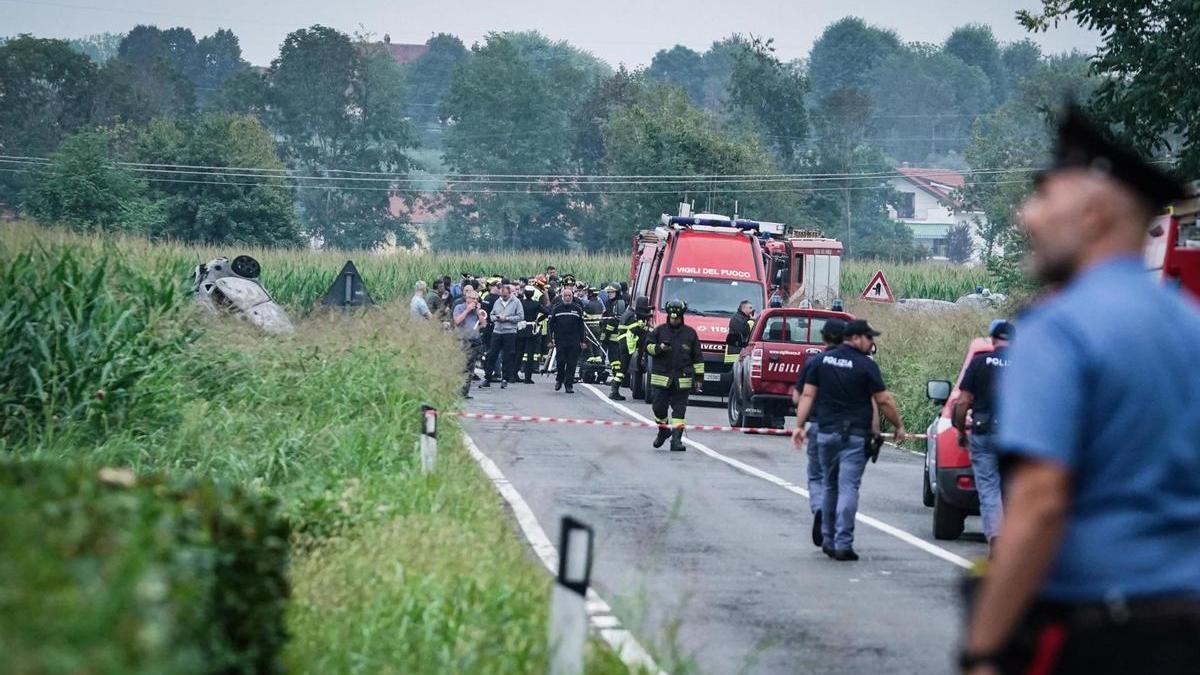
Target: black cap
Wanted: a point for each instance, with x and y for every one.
(859, 327)
(833, 329)
(1082, 145)
(1002, 330)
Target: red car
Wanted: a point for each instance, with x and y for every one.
(760, 391)
(949, 482)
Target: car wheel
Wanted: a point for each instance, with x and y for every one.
(948, 521)
(649, 391)
(926, 488)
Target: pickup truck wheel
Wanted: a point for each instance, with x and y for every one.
(637, 382)
(735, 407)
(948, 521)
(648, 390)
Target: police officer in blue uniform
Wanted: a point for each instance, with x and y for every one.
(831, 334)
(840, 388)
(1097, 567)
(977, 393)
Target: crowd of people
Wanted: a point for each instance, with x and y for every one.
(508, 326)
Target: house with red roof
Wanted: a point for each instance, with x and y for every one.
(928, 203)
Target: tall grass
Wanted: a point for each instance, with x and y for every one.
(393, 570)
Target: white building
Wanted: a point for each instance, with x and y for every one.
(928, 206)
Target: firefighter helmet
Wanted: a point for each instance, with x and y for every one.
(641, 307)
(676, 307)
(610, 289)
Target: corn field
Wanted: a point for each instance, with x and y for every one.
(299, 278)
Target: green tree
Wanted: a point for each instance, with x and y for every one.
(707, 79)
(83, 189)
(217, 58)
(512, 109)
(773, 93)
(1020, 59)
(148, 77)
(46, 93)
(682, 67)
(845, 53)
(852, 209)
(1147, 61)
(338, 106)
(958, 243)
(99, 47)
(428, 79)
(925, 102)
(975, 45)
(664, 134)
(205, 206)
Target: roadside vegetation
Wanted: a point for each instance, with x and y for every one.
(106, 368)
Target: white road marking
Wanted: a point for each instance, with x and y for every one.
(792, 487)
(599, 612)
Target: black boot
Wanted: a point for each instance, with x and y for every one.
(677, 440)
(615, 394)
(663, 434)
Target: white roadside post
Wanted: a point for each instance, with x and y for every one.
(428, 439)
(568, 612)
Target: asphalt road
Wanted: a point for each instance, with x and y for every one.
(699, 555)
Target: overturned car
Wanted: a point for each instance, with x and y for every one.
(224, 287)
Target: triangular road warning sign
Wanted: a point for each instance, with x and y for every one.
(878, 290)
(348, 289)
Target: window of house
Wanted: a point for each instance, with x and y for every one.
(906, 205)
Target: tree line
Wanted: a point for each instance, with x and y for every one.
(520, 141)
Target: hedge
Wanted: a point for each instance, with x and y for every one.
(107, 572)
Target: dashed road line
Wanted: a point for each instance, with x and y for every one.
(600, 613)
(870, 521)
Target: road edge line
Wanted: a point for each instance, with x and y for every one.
(600, 614)
(861, 517)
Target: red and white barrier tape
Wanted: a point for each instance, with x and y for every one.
(625, 423)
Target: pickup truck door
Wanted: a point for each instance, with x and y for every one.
(786, 342)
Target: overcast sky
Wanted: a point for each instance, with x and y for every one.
(618, 31)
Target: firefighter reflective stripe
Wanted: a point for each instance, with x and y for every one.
(652, 348)
(676, 422)
(659, 380)
(660, 420)
(698, 368)
(685, 382)
(731, 357)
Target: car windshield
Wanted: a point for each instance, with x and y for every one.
(711, 297)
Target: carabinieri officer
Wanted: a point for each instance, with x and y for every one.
(841, 387)
(1097, 568)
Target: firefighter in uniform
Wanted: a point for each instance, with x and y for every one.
(566, 325)
(593, 315)
(740, 327)
(628, 340)
(678, 368)
(1097, 566)
(529, 339)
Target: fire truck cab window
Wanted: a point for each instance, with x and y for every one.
(710, 297)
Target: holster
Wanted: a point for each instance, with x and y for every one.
(983, 423)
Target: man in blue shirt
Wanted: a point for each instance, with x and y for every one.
(1097, 567)
(831, 334)
(840, 390)
(977, 393)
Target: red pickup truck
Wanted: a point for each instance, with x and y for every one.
(760, 393)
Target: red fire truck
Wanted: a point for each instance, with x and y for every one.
(712, 263)
(808, 261)
(1172, 250)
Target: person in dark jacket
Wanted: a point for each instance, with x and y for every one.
(627, 341)
(740, 327)
(566, 326)
(529, 338)
(677, 369)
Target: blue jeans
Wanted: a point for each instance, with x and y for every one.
(985, 460)
(843, 463)
(816, 480)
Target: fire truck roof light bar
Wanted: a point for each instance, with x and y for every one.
(721, 221)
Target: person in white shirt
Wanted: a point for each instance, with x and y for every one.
(418, 308)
